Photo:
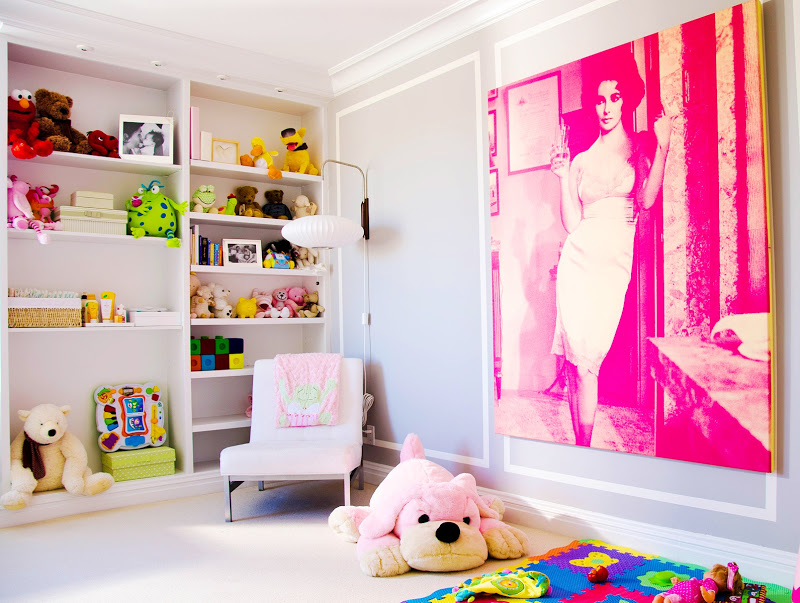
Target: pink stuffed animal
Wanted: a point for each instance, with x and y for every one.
(20, 215)
(281, 302)
(263, 303)
(422, 517)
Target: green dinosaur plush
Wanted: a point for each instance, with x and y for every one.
(152, 213)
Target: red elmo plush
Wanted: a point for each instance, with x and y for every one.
(103, 144)
(23, 131)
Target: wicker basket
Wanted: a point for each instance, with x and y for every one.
(28, 312)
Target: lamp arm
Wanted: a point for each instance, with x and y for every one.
(365, 202)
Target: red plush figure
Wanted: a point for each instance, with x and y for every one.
(42, 204)
(23, 131)
(103, 144)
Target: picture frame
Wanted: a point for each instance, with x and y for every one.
(494, 193)
(241, 252)
(225, 151)
(533, 109)
(146, 138)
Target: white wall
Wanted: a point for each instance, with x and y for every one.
(419, 130)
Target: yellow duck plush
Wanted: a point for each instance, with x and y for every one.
(261, 158)
(297, 158)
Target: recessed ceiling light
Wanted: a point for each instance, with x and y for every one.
(280, 89)
(156, 63)
(222, 77)
(84, 48)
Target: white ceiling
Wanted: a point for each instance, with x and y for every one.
(301, 45)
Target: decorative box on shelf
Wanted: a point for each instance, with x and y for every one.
(218, 354)
(154, 318)
(125, 465)
(89, 219)
(44, 312)
(92, 199)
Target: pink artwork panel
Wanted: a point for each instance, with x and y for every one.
(630, 249)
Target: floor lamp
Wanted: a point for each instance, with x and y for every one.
(329, 232)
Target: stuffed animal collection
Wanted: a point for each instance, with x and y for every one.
(45, 456)
(210, 300)
(422, 517)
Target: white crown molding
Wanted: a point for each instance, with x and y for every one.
(135, 45)
(439, 30)
(757, 562)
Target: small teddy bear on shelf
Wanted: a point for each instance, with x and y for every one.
(305, 257)
(219, 301)
(275, 207)
(200, 302)
(246, 204)
(54, 111)
(302, 207)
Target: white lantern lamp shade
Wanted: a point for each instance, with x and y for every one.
(322, 231)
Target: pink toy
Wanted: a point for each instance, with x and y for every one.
(296, 296)
(722, 579)
(20, 215)
(281, 301)
(422, 517)
(263, 303)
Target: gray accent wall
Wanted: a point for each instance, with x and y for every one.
(419, 130)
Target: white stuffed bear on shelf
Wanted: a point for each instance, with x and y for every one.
(45, 456)
(303, 207)
(219, 301)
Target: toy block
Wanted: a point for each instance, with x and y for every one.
(207, 362)
(196, 362)
(222, 344)
(207, 346)
(236, 345)
(236, 361)
(221, 362)
(194, 346)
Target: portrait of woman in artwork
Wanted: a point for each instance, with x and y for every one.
(603, 191)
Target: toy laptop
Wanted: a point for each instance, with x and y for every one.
(129, 416)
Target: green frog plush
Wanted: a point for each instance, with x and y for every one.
(152, 213)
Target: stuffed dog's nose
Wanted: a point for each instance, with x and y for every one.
(448, 532)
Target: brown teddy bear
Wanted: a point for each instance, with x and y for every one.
(54, 111)
(275, 207)
(246, 204)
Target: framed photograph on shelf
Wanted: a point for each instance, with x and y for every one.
(241, 252)
(225, 151)
(146, 138)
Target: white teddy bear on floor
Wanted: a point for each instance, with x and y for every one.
(45, 456)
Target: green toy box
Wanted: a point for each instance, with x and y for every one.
(137, 464)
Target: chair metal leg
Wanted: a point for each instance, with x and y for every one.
(346, 489)
(361, 475)
(229, 487)
(261, 487)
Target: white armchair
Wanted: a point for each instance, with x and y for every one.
(297, 453)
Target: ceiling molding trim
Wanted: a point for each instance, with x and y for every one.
(429, 35)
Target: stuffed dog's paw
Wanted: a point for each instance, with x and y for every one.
(383, 561)
(506, 542)
(344, 521)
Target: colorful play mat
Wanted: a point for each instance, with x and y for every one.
(633, 577)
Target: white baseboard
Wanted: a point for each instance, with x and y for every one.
(757, 563)
(59, 503)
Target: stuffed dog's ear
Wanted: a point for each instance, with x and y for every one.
(381, 521)
(412, 448)
(467, 482)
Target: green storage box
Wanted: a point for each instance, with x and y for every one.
(137, 464)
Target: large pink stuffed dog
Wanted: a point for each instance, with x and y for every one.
(422, 517)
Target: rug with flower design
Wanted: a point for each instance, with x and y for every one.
(633, 577)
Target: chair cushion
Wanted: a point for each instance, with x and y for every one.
(262, 459)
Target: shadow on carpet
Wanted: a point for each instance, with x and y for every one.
(633, 577)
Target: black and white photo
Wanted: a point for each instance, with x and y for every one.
(236, 252)
(145, 138)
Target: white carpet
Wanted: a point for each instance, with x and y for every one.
(279, 550)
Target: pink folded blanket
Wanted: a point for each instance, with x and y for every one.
(307, 389)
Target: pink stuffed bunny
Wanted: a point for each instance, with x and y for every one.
(20, 215)
(422, 517)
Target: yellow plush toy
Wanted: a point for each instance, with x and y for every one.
(246, 308)
(297, 158)
(45, 456)
(261, 158)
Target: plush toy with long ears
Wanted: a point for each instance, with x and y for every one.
(423, 517)
(23, 129)
(103, 144)
(20, 214)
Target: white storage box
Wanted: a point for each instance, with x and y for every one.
(155, 319)
(87, 219)
(92, 199)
